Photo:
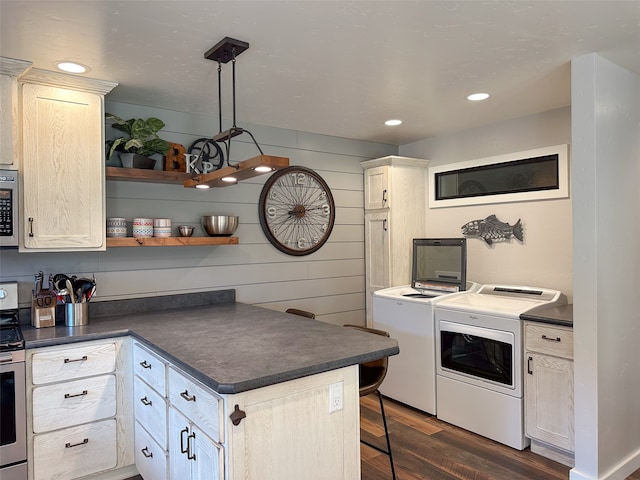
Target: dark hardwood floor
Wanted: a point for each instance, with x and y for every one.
(425, 448)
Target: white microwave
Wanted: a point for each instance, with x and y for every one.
(8, 208)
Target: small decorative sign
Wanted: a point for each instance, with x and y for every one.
(174, 160)
(491, 229)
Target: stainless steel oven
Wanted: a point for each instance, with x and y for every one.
(8, 208)
(13, 414)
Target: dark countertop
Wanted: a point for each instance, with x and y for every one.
(556, 315)
(231, 347)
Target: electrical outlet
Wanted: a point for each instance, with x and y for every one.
(335, 397)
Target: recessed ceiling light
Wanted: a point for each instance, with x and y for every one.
(202, 186)
(476, 97)
(229, 179)
(393, 123)
(263, 169)
(71, 67)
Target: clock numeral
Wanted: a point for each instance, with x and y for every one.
(324, 227)
(273, 195)
(299, 178)
(323, 195)
(326, 210)
(302, 242)
(271, 212)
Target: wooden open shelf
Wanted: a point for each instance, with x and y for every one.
(143, 175)
(169, 241)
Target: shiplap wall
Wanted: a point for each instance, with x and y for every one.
(329, 282)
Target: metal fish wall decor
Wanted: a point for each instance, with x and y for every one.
(491, 229)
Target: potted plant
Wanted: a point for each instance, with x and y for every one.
(141, 141)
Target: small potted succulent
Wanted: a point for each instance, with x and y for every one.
(141, 141)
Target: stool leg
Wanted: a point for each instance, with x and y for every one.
(386, 433)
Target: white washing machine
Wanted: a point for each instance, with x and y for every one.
(479, 359)
(408, 316)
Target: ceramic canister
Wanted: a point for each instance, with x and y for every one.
(142, 227)
(116, 227)
(161, 227)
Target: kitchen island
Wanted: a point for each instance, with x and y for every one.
(282, 391)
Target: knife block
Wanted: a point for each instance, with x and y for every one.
(42, 315)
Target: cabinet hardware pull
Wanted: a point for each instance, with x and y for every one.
(69, 395)
(144, 364)
(68, 360)
(71, 445)
(146, 401)
(31, 226)
(529, 360)
(145, 451)
(557, 339)
(187, 397)
(384, 196)
(237, 415)
(182, 432)
(190, 456)
(384, 224)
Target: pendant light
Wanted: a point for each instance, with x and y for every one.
(223, 52)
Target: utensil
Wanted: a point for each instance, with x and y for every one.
(70, 289)
(219, 225)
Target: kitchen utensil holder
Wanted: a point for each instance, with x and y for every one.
(76, 314)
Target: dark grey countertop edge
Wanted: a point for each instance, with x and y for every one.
(554, 315)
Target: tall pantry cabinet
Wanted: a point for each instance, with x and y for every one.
(62, 161)
(395, 208)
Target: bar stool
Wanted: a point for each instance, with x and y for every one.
(302, 313)
(371, 376)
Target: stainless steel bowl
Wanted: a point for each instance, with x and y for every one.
(219, 225)
(185, 230)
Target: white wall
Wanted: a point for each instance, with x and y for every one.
(329, 282)
(606, 175)
(543, 259)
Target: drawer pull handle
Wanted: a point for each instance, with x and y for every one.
(69, 395)
(30, 226)
(190, 456)
(145, 451)
(187, 397)
(237, 415)
(384, 196)
(144, 364)
(529, 360)
(68, 360)
(146, 401)
(71, 445)
(557, 339)
(182, 432)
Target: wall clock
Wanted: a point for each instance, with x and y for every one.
(296, 210)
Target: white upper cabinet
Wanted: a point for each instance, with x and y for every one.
(62, 168)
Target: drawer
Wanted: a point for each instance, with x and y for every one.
(151, 411)
(549, 340)
(76, 451)
(197, 403)
(150, 367)
(150, 458)
(73, 362)
(71, 403)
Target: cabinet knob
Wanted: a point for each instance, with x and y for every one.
(237, 415)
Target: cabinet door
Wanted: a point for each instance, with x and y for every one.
(376, 188)
(208, 461)
(179, 431)
(377, 256)
(548, 394)
(62, 169)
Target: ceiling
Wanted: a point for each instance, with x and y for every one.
(332, 67)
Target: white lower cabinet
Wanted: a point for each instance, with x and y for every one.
(548, 390)
(79, 420)
(75, 452)
(192, 454)
(151, 459)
